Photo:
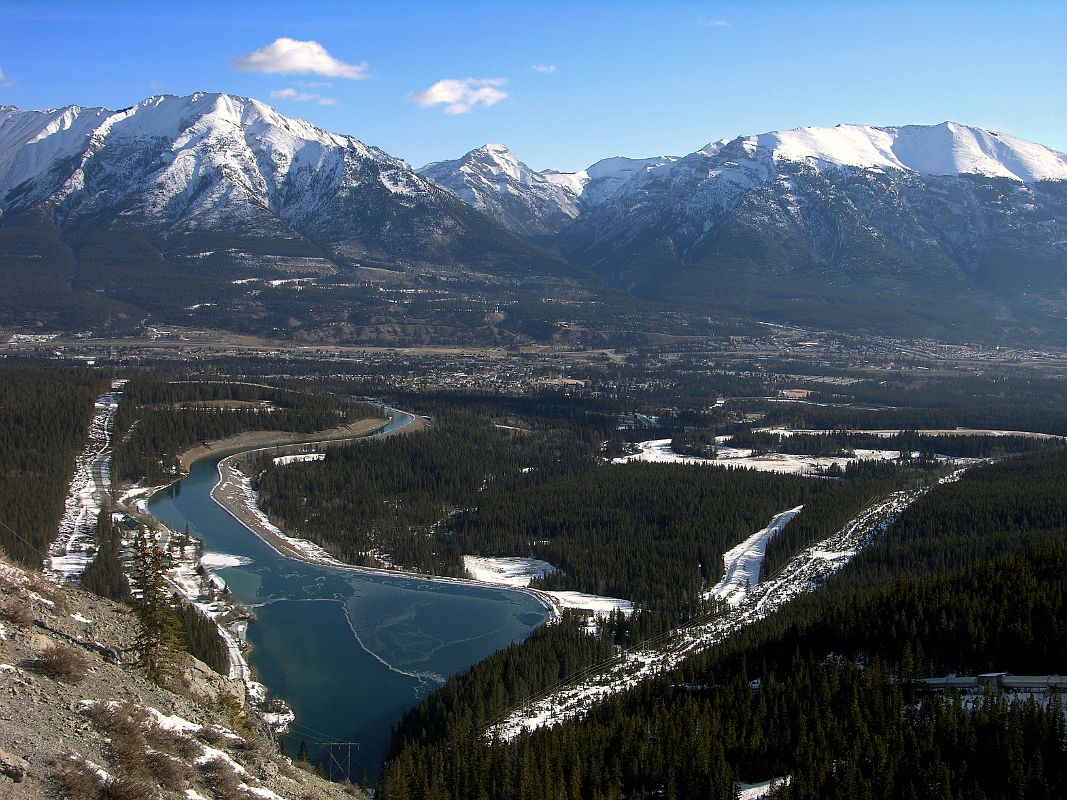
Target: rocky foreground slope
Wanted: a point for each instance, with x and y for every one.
(77, 720)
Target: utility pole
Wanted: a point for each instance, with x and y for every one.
(344, 769)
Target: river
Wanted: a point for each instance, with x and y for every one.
(348, 650)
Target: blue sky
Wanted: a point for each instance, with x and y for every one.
(562, 84)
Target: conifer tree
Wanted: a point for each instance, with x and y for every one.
(161, 632)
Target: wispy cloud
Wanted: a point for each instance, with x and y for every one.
(295, 57)
(712, 23)
(544, 69)
(302, 97)
(461, 96)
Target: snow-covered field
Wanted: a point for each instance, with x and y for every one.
(887, 433)
(518, 572)
(757, 791)
(299, 458)
(74, 547)
(506, 571)
(803, 573)
(659, 450)
(743, 563)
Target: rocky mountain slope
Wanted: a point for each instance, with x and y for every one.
(831, 225)
(230, 165)
(108, 218)
(78, 721)
(165, 210)
(527, 202)
(492, 180)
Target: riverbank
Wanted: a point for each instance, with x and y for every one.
(250, 440)
(233, 493)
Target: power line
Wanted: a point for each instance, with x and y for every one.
(36, 548)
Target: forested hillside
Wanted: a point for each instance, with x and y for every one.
(158, 419)
(44, 422)
(388, 495)
(957, 584)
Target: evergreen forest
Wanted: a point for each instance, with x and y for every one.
(44, 421)
(159, 418)
(822, 693)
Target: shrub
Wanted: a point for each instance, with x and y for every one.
(214, 736)
(64, 663)
(172, 773)
(220, 776)
(76, 780)
(172, 742)
(125, 787)
(16, 610)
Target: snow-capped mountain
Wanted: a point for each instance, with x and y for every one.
(801, 224)
(911, 197)
(945, 149)
(226, 164)
(528, 202)
(850, 215)
(492, 180)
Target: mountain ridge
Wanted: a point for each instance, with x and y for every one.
(852, 225)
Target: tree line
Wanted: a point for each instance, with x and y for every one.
(44, 423)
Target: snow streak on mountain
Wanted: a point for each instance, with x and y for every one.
(230, 164)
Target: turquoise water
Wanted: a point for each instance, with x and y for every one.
(349, 651)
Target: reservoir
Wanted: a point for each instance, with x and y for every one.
(348, 650)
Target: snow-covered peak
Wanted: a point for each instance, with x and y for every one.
(208, 160)
(493, 180)
(946, 149)
(604, 178)
(31, 141)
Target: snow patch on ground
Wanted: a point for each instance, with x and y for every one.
(598, 607)
(743, 563)
(172, 722)
(214, 754)
(73, 550)
(803, 573)
(659, 451)
(757, 791)
(518, 572)
(299, 458)
(510, 571)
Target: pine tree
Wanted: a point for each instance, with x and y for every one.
(161, 632)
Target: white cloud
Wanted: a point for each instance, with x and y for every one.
(1, 74)
(460, 96)
(544, 69)
(712, 23)
(294, 57)
(301, 97)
